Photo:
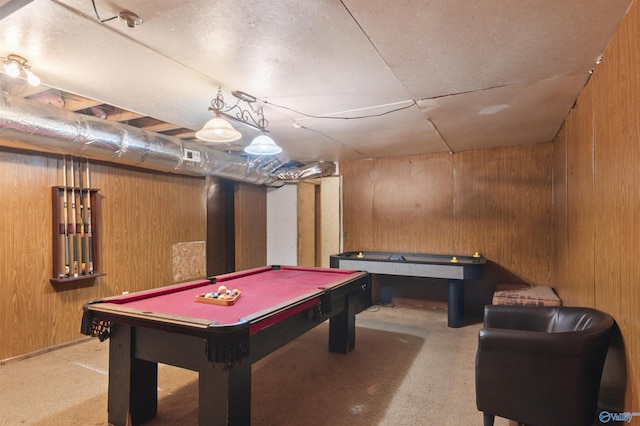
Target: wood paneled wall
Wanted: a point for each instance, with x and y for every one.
(330, 218)
(221, 243)
(142, 214)
(497, 202)
(502, 208)
(597, 165)
(250, 211)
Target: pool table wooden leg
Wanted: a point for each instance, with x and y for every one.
(133, 383)
(342, 327)
(225, 394)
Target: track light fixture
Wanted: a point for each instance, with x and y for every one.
(218, 130)
(14, 65)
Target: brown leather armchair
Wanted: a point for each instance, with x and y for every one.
(541, 365)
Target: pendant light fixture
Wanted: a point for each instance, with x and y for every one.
(14, 65)
(263, 145)
(219, 130)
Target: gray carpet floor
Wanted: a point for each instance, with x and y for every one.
(408, 368)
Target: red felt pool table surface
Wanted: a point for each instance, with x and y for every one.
(263, 290)
(167, 325)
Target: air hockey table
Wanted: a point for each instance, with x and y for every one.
(456, 269)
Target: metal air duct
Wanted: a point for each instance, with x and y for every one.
(40, 127)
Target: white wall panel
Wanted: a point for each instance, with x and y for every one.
(282, 225)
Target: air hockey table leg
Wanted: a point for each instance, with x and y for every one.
(455, 302)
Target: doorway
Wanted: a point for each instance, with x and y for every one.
(309, 223)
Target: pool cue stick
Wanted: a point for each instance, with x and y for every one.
(74, 213)
(83, 263)
(89, 235)
(66, 217)
(61, 238)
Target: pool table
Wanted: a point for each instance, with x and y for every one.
(220, 341)
(454, 268)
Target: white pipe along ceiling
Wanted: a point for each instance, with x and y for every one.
(35, 125)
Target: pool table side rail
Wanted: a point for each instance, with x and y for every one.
(241, 274)
(226, 343)
(159, 291)
(92, 326)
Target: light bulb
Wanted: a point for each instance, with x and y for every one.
(12, 68)
(33, 79)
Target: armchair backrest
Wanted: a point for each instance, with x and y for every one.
(550, 319)
(541, 365)
(580, 319)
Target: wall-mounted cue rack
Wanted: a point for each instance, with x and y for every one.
(76, 253)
